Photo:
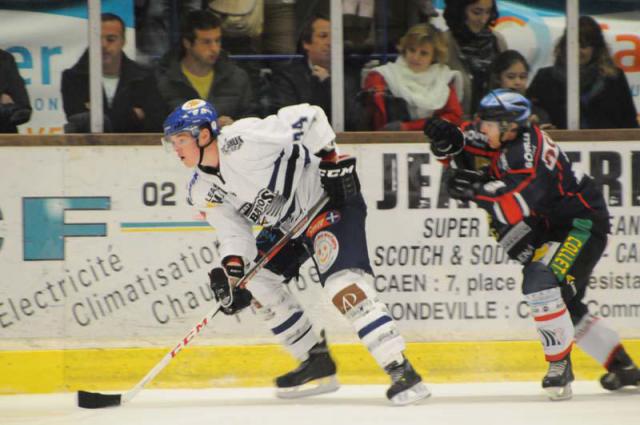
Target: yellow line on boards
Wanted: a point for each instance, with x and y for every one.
(120, 369)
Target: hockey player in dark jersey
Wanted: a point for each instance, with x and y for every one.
(549, 216)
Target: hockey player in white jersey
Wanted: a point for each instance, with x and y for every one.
(269, 172)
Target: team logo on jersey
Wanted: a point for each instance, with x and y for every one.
(326, 248)
(266, 204)
(232, 144)
(320, 222)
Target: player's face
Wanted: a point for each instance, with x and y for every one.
(491, 129)
(186, 148)
(515, 77)
(478, 14)
(205, 48)
(419, 57)
(319, 49)
(112, 39)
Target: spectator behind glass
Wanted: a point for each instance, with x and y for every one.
(130, 95)
(605, 96)
(472, 46)
(155, 22)
(418, 85)
(14, 98)
(309, 80)
(510, 70)
(200, 69)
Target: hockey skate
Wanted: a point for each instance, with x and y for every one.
(557, 381)
(316, 375)
(622, 372)
(406, 385)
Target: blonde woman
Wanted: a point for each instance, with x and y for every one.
(418, 85)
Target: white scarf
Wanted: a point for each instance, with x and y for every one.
(425, 92)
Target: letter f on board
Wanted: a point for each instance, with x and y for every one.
(45, 228)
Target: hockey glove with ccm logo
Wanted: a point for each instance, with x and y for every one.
(223, 284)
(338, 177)
(446, 138)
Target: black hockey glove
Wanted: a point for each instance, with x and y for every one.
(520, 240)
(464, 184)
(339, 179)
(222, 281)
(446, 138)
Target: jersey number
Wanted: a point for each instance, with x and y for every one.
(298, 126)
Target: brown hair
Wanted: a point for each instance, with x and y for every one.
(590, 34)
(425, 33)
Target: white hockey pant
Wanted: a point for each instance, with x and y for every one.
(282, 313)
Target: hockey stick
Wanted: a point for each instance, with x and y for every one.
(91, 400)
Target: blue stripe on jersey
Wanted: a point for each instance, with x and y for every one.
(287, 323)
(307, 160)
(291, 171)
(373, 325)
(274, 174)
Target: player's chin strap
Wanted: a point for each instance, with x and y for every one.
(196, 134)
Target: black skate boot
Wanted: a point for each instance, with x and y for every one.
(622, 372)
(315, 375)
(557, 381)
(406, 385)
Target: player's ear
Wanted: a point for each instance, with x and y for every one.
(204, 137)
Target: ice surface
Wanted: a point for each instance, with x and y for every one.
(519, 403)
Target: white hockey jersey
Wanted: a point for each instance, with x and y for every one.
(268, 175)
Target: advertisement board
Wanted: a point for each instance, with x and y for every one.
(98, 248)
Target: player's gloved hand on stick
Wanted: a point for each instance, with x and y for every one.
(464, 184)
(339, 178)
(519, 240)
(223, 284)
(446, 138)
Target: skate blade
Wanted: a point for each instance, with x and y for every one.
(412, 395)
(559, 393)
(324, 385)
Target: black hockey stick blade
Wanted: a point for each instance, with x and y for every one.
(89, 400)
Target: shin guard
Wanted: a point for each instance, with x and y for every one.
(553, 323)
(354, 297)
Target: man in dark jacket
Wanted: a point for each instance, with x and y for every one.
(14, 99)
(200, 70)
(309, 80)
(130, 94)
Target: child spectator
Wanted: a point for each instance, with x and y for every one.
(510, 70)
(418, 85)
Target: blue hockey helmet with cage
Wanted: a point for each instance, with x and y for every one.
(505, 106)
(191, 116)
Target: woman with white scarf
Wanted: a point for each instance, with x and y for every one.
(418, 85)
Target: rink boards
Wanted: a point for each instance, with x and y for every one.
(104, 270)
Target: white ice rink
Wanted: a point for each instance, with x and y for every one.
(521, 403)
